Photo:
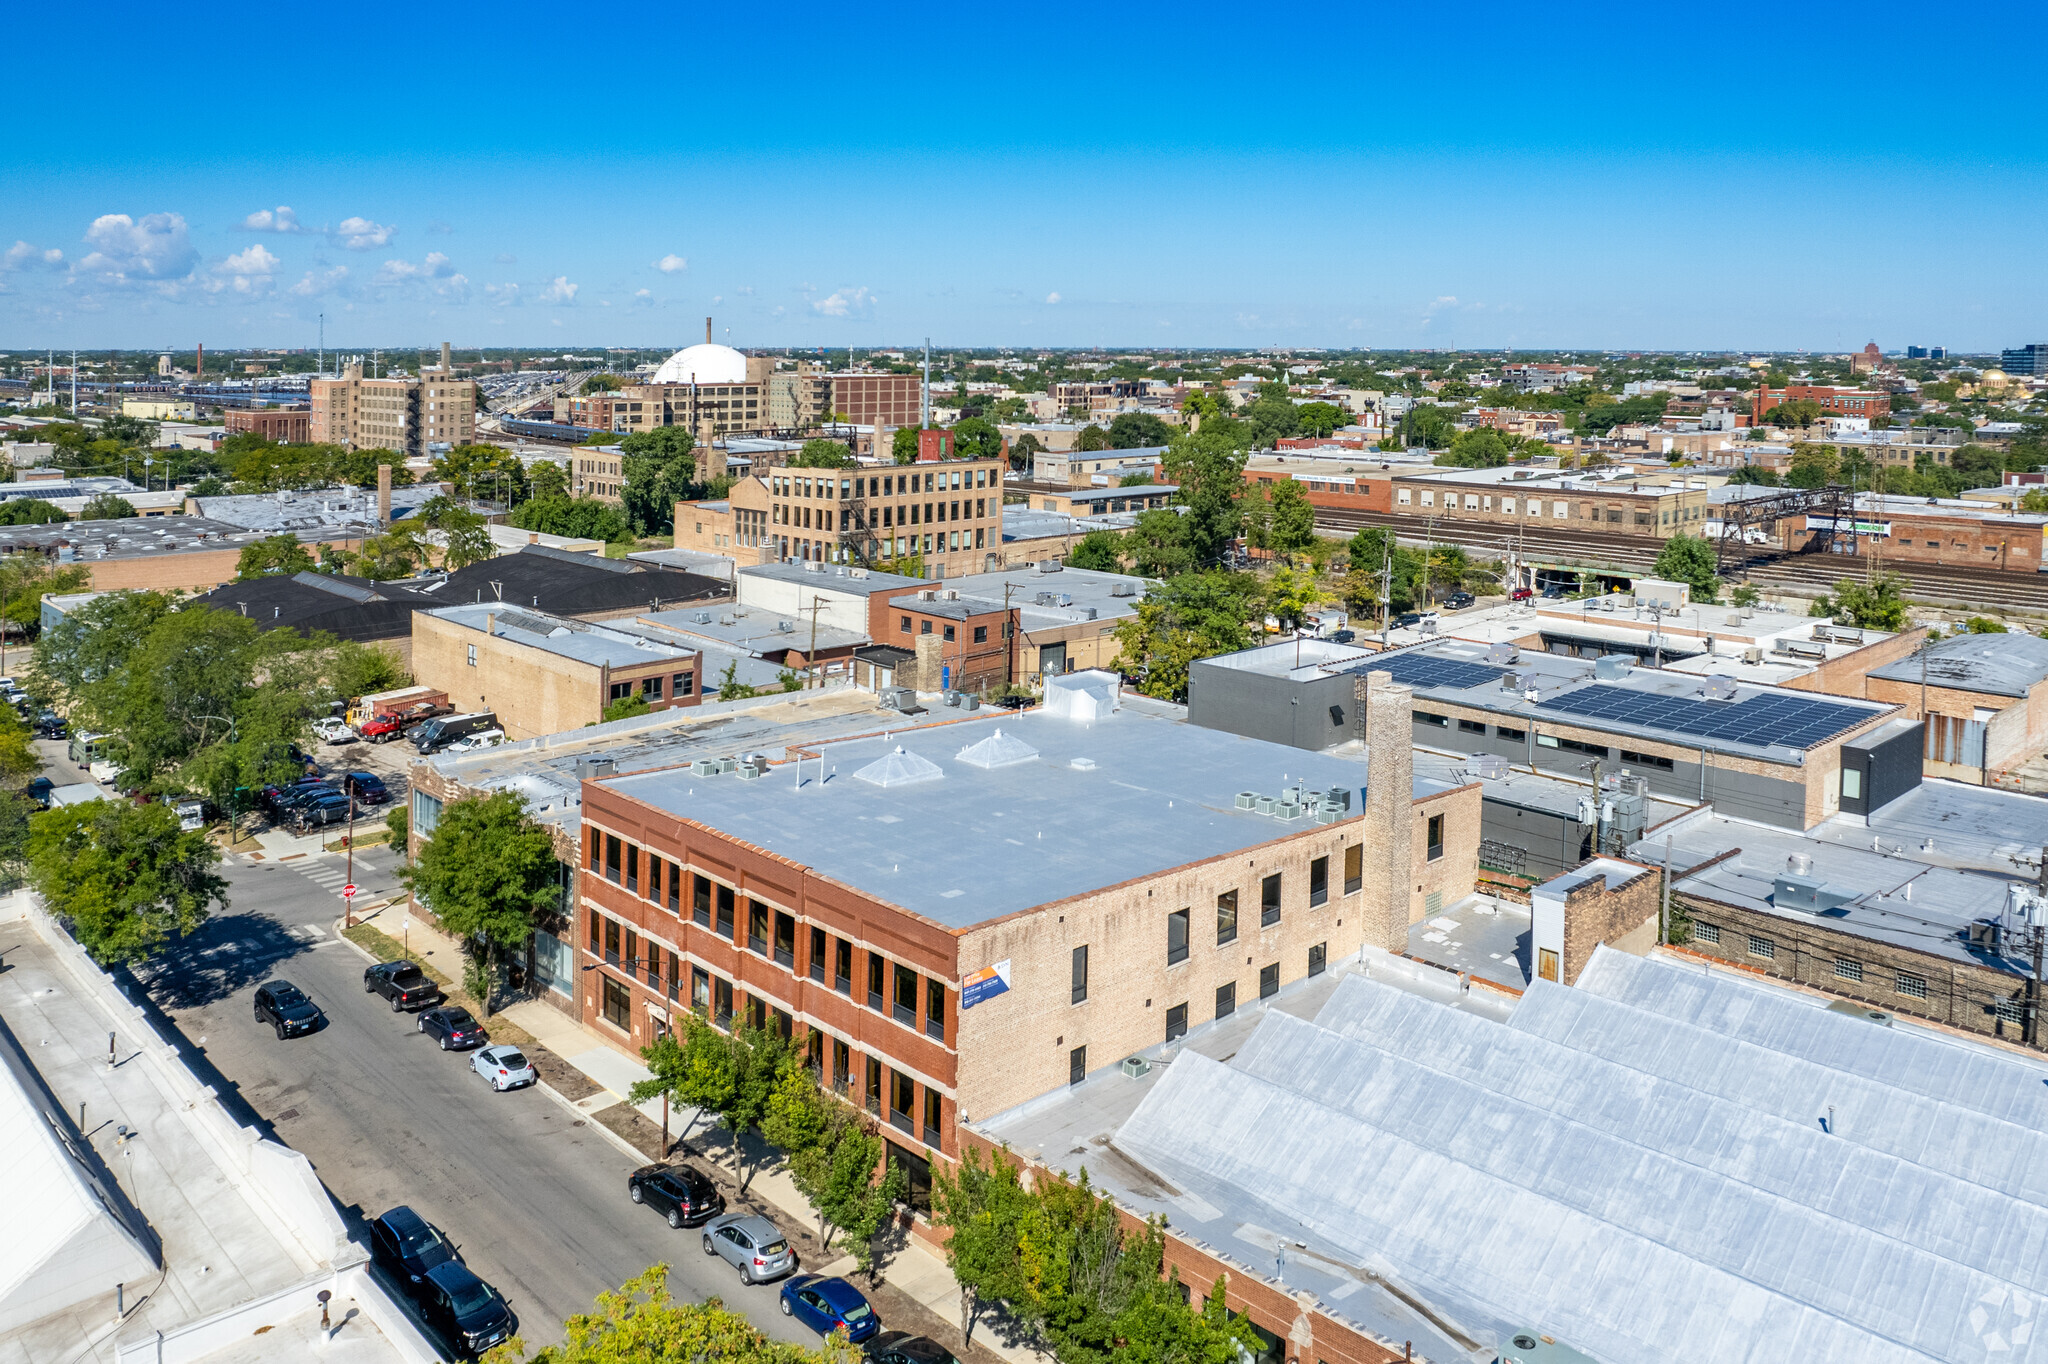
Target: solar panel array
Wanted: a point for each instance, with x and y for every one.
(1766, 718)
(1425, 670)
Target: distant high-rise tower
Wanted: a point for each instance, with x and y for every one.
(2026, 359)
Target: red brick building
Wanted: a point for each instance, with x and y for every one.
(878, 399)
(1840, 402)
(285, 425)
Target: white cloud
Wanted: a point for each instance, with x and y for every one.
(22, 256)
(643, 293)
(279, 219)
(671, 264)
(561, 291)
(435, 266)
(504, 295)
(360, 234)
(317, 282)
(125, 250)
(1052, 297)
(254, 261)
(843, 302)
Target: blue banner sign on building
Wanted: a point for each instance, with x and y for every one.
(986, 983)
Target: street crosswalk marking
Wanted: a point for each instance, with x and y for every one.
(326, 872)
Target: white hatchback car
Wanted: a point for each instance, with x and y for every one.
(505, 1067)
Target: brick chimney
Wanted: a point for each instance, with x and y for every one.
(1389, 860)
(383, 495)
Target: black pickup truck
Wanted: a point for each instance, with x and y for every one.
(404, 984)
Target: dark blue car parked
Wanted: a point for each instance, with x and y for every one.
(828, 1305)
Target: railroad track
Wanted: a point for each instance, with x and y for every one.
(1944, 586)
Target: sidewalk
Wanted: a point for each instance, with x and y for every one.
(913, 1268)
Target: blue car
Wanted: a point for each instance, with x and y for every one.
(828, 1305)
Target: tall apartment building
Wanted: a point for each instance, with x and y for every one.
(868, 399)
(799, 399)
(2031, 359)
(410, 415)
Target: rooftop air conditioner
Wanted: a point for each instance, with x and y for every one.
(1753, 654)
(1123, 590)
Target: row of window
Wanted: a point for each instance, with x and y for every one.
(888, 485)
(679, 686)
(714, 997)
(925, 627)
(1904, 983)
(1226, 1003)
(891, 988)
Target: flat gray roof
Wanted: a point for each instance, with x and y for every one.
(2002, 665)
(318, 509)
(1136, 490)
(597, 645)
(833, 578)
(747, 628)
(1102, 803)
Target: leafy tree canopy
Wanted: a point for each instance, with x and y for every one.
(1689, 559)
(1195, 615)
(660, 468)
(1879, 604)
(29, 511)
(1092, 438)
(124, 876)
(1100, 550)
(482, 471)
(490, 876)
(1137, 431)
(824, 454)
(977, 438)
(274, 554)
(106, 507)
(643, 1323)
(579, 518)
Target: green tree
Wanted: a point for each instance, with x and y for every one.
(1427, 425)
(464, 539)
(481, 471)
(626, 707)
(660, 468)
(1689, 559)
(400, 552)
(1878, 605)
(399, 825)
(1753, 473)
(696, 1070)
(1271, 416)
(1291, 594)
(577, 518)
(1745, 595)
(274, 554)
(977, 438)
(546, 478)
(824, 454)
(1320, 419)
(1157, 544)
(1983, 625)
(1482, 447)
(1798, 412)
(982, 1205)
(124, 876)
(29, 511)
(903, 445)
(730, 688)
(106, 507)
(1138, 431)
(1101, 550)
(1193, 616)
(1293, 524)
(209, 486)
(1208, 468)
(490, 876)
(643, 1323)
(1023, 451)
(25, 579)
(1092, 438)
(1812, 465)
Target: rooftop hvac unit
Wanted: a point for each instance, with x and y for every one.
(1510, 681)
(856, 573)
(928, 594)
(950, 594)
(1049, 565)
(952, 698)
(1612, 667)
(899, 698)
(1062, 599)
(1042, 599)
(787, 627)
(1123, 589)
(969, 701)
(1136, 1067)
(1489, 766)
(705, 767)
(1247, 799)
(1087, 613)
(1718, 688)
(1503, 653)
(1753, 654)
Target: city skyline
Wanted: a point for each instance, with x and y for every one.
(1514, 185)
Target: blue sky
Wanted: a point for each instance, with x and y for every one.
(1742, 176)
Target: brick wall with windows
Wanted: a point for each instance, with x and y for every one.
(1897, 979)
(1446, 867)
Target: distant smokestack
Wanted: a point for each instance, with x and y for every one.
(707, 331)
(201, 376)
(383, 495)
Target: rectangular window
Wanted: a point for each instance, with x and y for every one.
(1635, 759)
(1912, 985)
(650, 688)
(472, 655)
(1077, 1065)
(1471, 727)
(1269, 980)
(675, 889)
(1848, 970)
(785, 941)
(596, 931)
(1511, 735)
(1575, 746)
(931, 1117)
(632, 868)
(1226, 1000)
(842, 968)
(906, 996)
(1706, 932)
(725, 907)
(1318, 882)
(1354, 868)
(596, 838)
(1176, 1022)
(1436, 838)
(1852, 783)
(902, 1096)
(611, 858)
(1226, 917)
(757, 927)
(935, 1009)
(683, 684)
(2013, 1011)
(1176, 937)
(817, 966)
(1423, 717)
(877, 982)
(981, 634)
(700, 901)
(1080, 973)
(611, 942)
(874, 1092)
(842, 1065)
(1269, 901)
(618, 1005)
(1318, 958)
(1762, 947)
(700, 989)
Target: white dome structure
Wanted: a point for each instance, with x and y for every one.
(703, 364)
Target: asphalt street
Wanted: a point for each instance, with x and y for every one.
(532, 1193)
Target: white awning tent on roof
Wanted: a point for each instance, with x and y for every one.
(997, 750)
(899, 768)
(1084, 696)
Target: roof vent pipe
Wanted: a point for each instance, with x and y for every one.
(1800, 864)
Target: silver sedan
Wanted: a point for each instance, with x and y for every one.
(505, 1067)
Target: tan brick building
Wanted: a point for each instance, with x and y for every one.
(544, 674)
(948, 512)
(954, 921)
(409, 415)
(1620, 500)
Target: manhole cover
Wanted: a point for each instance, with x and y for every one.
(287, 1115)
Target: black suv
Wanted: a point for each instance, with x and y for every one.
(1458, 601)
(677, 1190)
(404, 984)
(367, 787)
(285, 1007)
(408, 1245)
(901, 1347)
(468, 1309)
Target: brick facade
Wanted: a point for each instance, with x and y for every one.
(1594, 914)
